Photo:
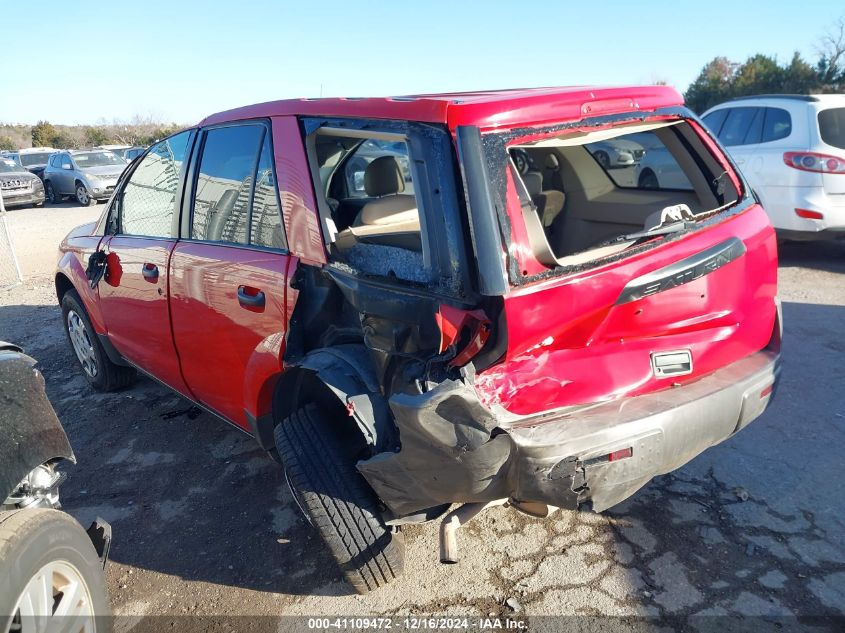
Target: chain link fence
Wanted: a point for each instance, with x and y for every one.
(10, 271)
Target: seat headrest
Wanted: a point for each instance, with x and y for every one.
(383, 177)
(533, 182)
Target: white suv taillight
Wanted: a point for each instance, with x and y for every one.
(811, 161)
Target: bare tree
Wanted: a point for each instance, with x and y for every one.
(831, 50)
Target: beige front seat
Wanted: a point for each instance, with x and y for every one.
(392, 218)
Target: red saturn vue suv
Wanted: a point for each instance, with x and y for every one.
(414, 302)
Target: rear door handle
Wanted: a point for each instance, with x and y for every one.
(252, 297)
(150, 271)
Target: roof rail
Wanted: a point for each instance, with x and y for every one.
(784, 96)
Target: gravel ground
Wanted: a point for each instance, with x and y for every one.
(204, 524)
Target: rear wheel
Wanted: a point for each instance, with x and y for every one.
(319, 456)
(51, 577)
(52, 195)
(99, 370)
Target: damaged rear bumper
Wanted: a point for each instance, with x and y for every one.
(455, 450)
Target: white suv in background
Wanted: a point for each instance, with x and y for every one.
(791, 149)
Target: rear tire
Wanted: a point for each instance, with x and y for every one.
(98, 368)
(49, 547)
(52, 195)
(319, 456)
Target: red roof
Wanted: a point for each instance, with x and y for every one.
(486, 109)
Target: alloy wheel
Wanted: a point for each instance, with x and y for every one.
(81, 342)
(56, 598)
(82, 195)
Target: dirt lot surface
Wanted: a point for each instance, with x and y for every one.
(204, 523)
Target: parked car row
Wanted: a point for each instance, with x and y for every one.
(88, 176)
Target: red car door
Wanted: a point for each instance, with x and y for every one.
(228, 281)
(133, 293)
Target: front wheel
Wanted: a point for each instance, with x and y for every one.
(319, 455)
(83, 197)
(50, 575)
(99, 370)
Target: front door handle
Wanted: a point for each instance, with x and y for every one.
(150, 272)
(250, 297)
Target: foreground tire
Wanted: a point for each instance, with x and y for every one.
(99, 370)
(50, 575)
(319, 456)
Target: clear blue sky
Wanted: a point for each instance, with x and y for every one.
(79, 61)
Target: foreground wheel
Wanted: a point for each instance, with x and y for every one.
(83, 197)
(99, 370)
(50, 576)
(52, 195)
(319, 456)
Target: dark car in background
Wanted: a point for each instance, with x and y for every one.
(34, 159)
(18, 186)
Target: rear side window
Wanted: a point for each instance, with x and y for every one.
(741, 127)
(148, 200)
(224, 183)
(777, 124)
(266, 222)
(832, 127)
(236, 199)
(714, 120)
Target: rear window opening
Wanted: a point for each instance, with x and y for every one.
(590, 195)
(372, 214)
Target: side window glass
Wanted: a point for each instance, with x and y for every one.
(224, 183)
(66, 161)
(148, 200)
(736, 126)
(777, 125)
(715, 119)
(266, 220)
(755, 130)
